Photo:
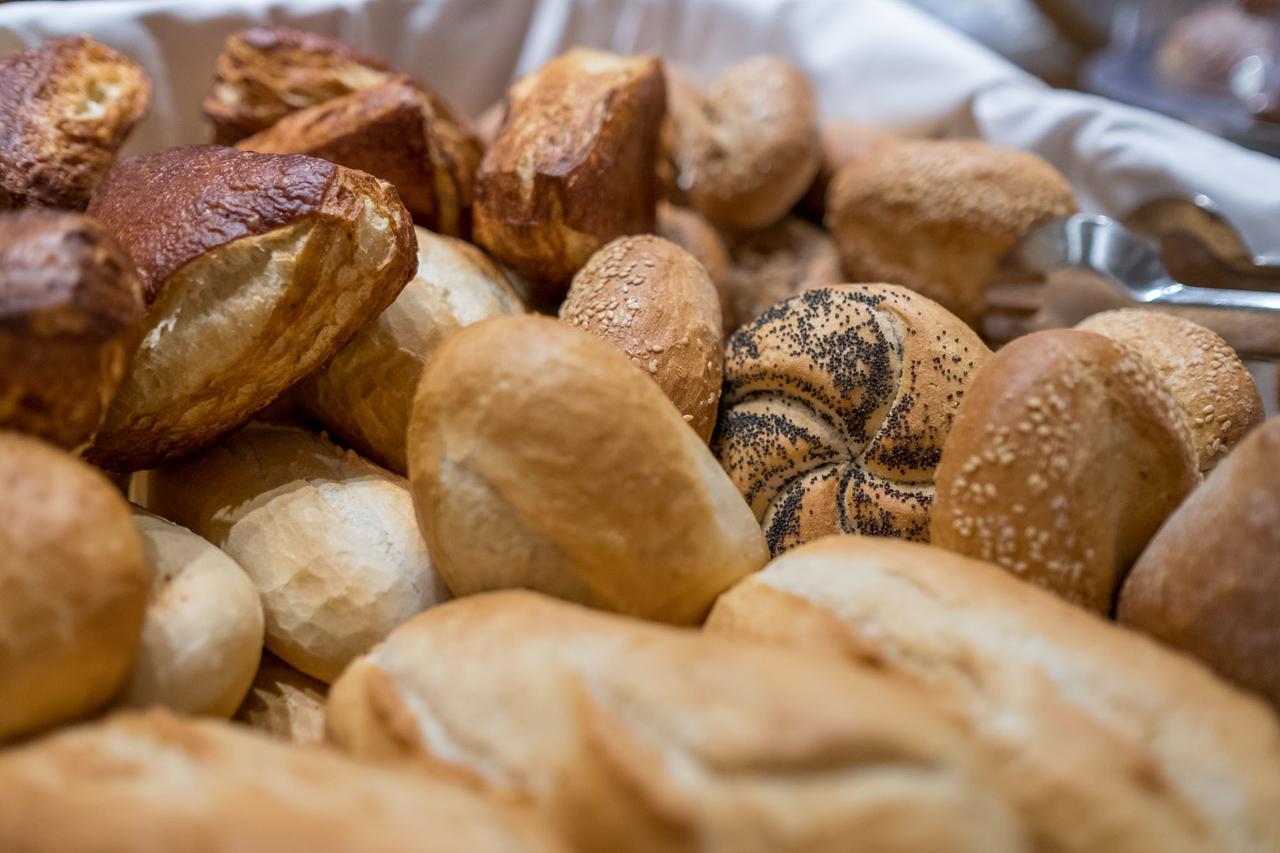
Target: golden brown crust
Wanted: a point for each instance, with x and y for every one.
(565, 175)
(836, 405)
(767, 266)
(1066, 456)
(653, 301)
(65, 109)
(690, 230)
(937, 216)
(842, 142)
(70, 318)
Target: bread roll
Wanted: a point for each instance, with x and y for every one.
(690, 230)
(567, 172)
(767, 266)
(203, 631)
(489, 122)
(265, 73)
(327, 537)
(1208, 380)
(257, 269)
(73, 587)
(540, 457)
(284, 703)
(745, 149)
(365, 393)
(639, 737)
(156, 783)
(654, 302)
(398, 131)
(66, 107)
(842, 142)
(1209, 582)
(1104, 740)
(937, 216)
(836, 404)
(1067, 454)
(70, 317)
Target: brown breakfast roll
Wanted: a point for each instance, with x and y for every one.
(842, 142)
(73, 588)
(639, 737)
(541, 457)
(1209, 582)
(257, 268)
(398, 131)
(769, 265)
(567, 172)
(70, 318)
(1208, 380)
(836, 404)
(285, 704)
(654, 302)
(265, 73)
(66, 107)
(1102, 739)
(938, 216)
(690, 230)
(1067, 454)
(156, 783)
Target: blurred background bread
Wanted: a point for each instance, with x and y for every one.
(284, 703)
(768, 265)
(691, 231)
(842, 142)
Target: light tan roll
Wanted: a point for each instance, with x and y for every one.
(639, 737)
(1103, 739)
(285, 704)
(365, 393)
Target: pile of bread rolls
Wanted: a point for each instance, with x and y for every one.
(620, 472)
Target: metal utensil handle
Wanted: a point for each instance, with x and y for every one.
(1210, 297)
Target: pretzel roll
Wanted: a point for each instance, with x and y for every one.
(365, 393)
(1068, 453)
(66, 107)
(540, 457)
(769, 265)
(257, 269)
(937, 216)
(842, 142)
(1208, 380)
(653, 301)
(690, 230)
(285, 704)
(70, 317)
(836, 404)
(73, 587)
(568, 171)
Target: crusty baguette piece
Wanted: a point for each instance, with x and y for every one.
(540, 457)
(66, 107)
(398, 131)
(257, 269)
(70, 318)
(639, 737)
(771, 264)
(1103, 739)
(328, 538)
(365, 393)
(157, 783)
(285, 704)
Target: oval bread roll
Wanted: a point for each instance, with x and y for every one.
(203, 632)
(284, 703)
(73, 587)
(365, 393)
(654, 302)
(769, 265)
(639, 737)
(1104, 740)
(328, 538)
(540, 457)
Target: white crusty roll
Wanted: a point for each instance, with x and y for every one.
(156, 783)
(541, 457)
(328, 538)
(1104, 740)
(640, 737)
(365, 393)
(284, 703)
(203, 632)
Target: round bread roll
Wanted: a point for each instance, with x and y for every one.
(73, 587)
(1068, 453)
(70, 317)
(842, 142)
(328, 538)
(257, 269)
(365, 393)
(1209, 582)
(203, 632)
(1208, 380)
(284, 703)
(653, 301)
(690, 230)
(540, 457)
(937, 216)
(745, 150)
(769, 265)
(836, 405)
